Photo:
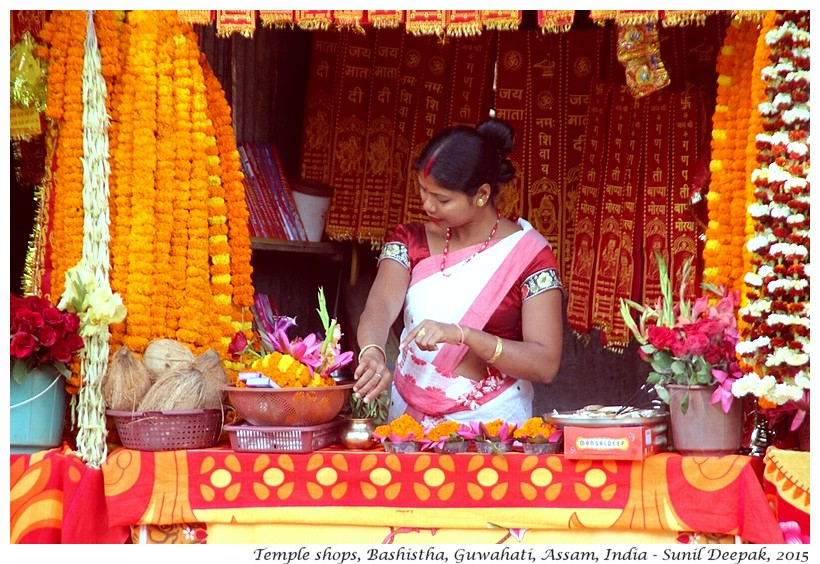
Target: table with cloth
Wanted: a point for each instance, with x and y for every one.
(331, 496)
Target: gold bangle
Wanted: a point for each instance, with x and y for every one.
(498, 348)
(371, 345)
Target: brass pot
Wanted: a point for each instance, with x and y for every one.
(358, 433)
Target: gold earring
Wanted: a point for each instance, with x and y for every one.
(481, 202)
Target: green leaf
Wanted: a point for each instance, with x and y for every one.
(678, 367)
(663, 393)
(19, 370)
(684, 402)
(653, 378)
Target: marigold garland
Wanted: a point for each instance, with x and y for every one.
(65, 33)
(722, 256)
(180, 250)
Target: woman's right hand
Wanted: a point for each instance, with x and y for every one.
(371, 375)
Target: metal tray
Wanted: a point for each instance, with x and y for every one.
(628, 419)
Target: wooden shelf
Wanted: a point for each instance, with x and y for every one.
(329, 249)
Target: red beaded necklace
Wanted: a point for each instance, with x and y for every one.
(448, 235)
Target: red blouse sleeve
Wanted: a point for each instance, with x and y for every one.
(407, 244)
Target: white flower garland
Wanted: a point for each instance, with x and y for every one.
(775, 349)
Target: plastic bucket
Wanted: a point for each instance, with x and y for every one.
(312, 202)
(38, 407)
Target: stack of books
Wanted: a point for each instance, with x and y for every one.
(273, 212)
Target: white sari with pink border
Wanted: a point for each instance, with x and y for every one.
(425, 385)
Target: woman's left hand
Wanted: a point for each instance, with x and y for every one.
(429, 334)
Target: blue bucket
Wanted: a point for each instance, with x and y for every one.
(38, 407)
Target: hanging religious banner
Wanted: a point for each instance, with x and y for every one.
(349, 19)
(544, 177)
(462, 23)
(277, 19)
(380, 141)
(417, 50)
(512, 102)
(350, 98)
(229, 22)
(580, 62)
(313, 20)
(431, 111)
(390, 19)
(616, 213)
(587, 218)
(198, 17)
(319, 107)
(656, 197)
(554, 21)
(686, 110)
(471, 80)
(426, 22)
(501, 19)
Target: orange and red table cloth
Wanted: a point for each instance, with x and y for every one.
(211, 491)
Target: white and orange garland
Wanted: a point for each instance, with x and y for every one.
(179, 246)
(774, 346)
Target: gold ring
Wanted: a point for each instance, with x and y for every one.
(421, 332)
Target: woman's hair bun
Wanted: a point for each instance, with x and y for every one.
(500, 133)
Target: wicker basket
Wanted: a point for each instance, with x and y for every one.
(168, 430)
(289, 406)
(255, 438)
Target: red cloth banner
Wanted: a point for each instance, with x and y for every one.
(686, 114)
(349, 19)
(313, 20)
(417, 50)
(512, 103)
(580, 62)
(319, 108)
(431, 111)
(587, 226)
(628, 284)
(615, 236)
(277, 18)
(463, 23)
(545, 174)
(380, 143)
(656, 197)
(199, 17)
(350, 100)
(555, 20)
(471, 80)
(229, 22)
(385, 18)
(426, 22)
(501, 19)
(685, 17)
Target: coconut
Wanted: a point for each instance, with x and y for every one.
(181, 390)
(126, 382)
(215, 376)
(163, 356)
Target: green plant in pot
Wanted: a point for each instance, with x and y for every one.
(357, 432)
(690, 346)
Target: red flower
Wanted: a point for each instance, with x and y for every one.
(22, 345)
(41, 334)
(661, 337)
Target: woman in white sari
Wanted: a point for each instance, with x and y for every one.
(481, 294)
